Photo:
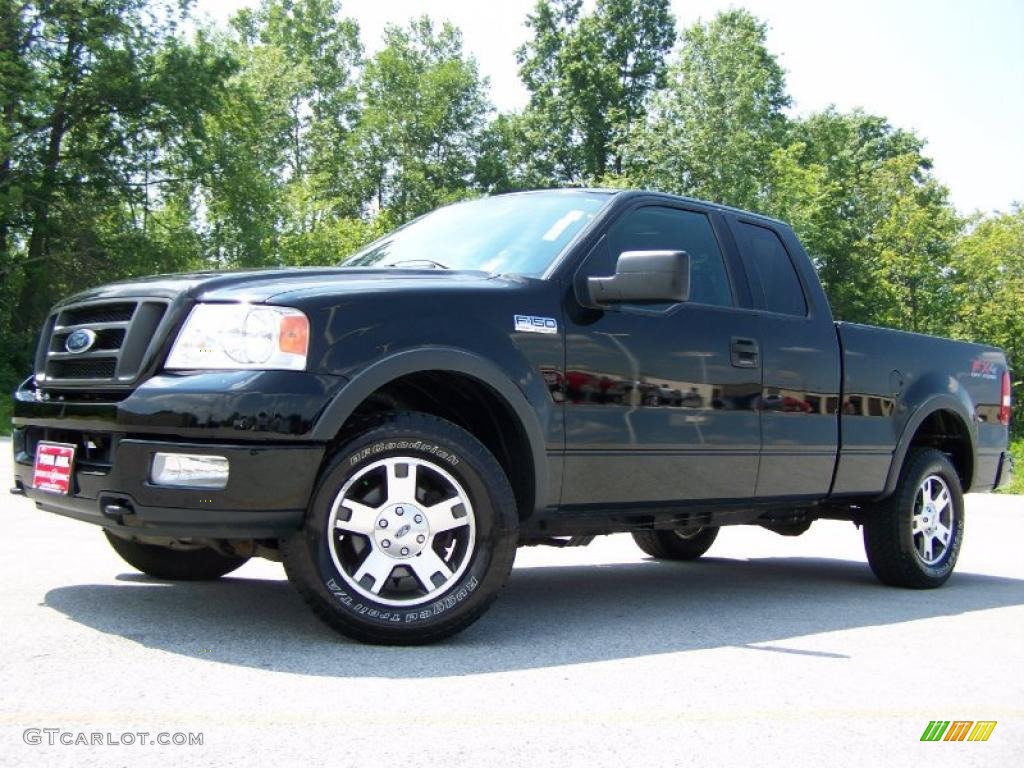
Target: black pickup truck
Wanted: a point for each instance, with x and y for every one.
(537, 368)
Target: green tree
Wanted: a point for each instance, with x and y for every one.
(635, 38)
(243, 189)
(98, 97)
(860, 195)
(989, 283)
(424, 109)
(499, 166)
(280, 153)
(321, 51)
(716, 125)
(911, 242)
(543, 146)
(590, 77)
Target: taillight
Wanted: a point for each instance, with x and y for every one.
(1004, 402)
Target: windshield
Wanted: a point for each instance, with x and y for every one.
(518, 234)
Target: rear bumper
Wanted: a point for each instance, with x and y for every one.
(268, 489)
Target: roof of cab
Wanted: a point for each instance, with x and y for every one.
(626, 193)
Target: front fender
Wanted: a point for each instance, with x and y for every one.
(526, 405)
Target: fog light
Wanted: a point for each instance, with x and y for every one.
(187, 470)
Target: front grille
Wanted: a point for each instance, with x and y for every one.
(111, 339)
(83, 369)
(94, 451)
(99, 313)
(120, 337)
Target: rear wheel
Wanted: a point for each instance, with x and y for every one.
(411, 533)
(679, 544)
(913, 538)
(174, 564)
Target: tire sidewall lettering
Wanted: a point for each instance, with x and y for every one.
(390, 614)
(390, 446)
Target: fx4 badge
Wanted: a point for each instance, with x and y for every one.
(983, 369)
(531, 324)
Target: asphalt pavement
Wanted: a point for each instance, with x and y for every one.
(770, 651)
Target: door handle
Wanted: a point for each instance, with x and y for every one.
(745, 353)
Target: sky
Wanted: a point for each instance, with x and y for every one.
(951, 70)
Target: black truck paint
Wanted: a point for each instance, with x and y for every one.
(728, 408)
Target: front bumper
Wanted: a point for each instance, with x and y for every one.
(266, 495)
(260, 422)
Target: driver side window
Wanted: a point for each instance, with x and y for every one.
(658, 228)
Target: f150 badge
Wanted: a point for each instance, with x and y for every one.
(531, 324)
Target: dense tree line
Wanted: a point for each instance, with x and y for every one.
(133, 141)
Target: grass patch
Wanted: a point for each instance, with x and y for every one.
(1017, 449)
(6, 409)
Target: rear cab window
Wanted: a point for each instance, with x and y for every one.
(768, 258)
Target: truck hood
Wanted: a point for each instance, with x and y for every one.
(263, 285)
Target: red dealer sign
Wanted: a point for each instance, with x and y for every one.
(53, 467)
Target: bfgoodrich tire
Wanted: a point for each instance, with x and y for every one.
(174, 564)
(913, 538)
(681, 544)
(410, 535)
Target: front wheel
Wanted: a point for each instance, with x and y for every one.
(913, 538)
(172, 564)
(410, 536)
(678, 544)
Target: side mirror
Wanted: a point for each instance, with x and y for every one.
(644, 277)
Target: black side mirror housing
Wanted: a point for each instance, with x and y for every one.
(643, 277)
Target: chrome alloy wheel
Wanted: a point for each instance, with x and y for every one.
(401, 531)
(933, 521)
(688, 534)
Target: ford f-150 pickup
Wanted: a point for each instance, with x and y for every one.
(536, 368)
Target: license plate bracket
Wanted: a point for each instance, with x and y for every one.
(53, 467)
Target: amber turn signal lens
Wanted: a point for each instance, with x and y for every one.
(294, 337)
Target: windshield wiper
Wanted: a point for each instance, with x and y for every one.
(432, 263)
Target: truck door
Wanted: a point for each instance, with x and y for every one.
(661, 400)
(800, 363)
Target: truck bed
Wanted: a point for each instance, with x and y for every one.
(889, 379)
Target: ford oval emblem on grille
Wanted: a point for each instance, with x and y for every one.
(80, 341)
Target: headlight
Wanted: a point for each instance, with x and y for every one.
(219, 336)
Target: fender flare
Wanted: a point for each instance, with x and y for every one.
(399, 364)
(927, 408)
